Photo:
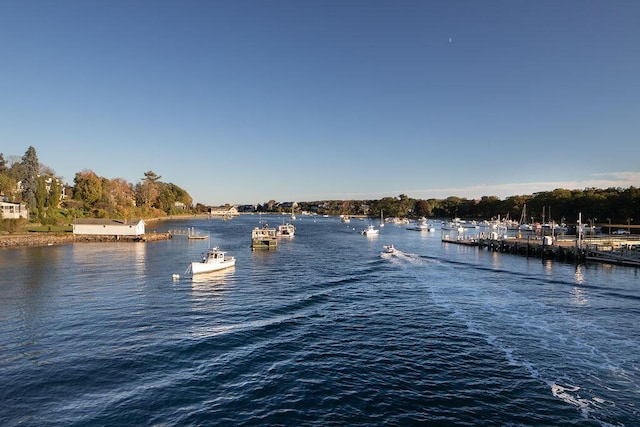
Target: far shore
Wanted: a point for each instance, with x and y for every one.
(172, 217)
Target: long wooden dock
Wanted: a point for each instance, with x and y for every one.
(612, 251)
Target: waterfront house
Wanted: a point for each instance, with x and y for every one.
(224, 211)
(109, 227)
(10, 210)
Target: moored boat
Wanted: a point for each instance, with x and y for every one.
(369, 231)
(286, 230)
(264, 238)
(213, 260)
(423, 225)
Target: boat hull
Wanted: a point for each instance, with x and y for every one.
(264, 243)
(203, 267)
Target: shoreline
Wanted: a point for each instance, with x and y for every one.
(51, 239)
(34, 239)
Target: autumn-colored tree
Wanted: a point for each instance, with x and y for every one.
(148, 190)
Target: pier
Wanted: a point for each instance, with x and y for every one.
(603, 249)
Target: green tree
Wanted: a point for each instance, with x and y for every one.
(7, 185)
(423, 208)
(87, 188)
(29, 177)
(54, 195)
(405, 205)
(41, 195)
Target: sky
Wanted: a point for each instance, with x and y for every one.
(245, 101)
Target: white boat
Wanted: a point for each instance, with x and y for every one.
(452, 226)
(213, 260)
(381, 219)
(390, 249)
(286, 230)
(423, 225)
(524, 225)
(345, 219)
(369, 231)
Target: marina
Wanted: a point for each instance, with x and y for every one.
(330, 329)
(607, 249)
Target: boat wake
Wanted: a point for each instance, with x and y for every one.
(408, 259)
(554, 346)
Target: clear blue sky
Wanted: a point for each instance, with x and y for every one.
(247, 101)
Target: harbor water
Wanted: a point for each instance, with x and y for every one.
(327, 329)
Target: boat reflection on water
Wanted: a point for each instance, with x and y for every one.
(219, 277)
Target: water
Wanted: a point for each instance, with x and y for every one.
(325, 330)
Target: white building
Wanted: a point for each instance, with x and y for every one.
(108, 227)
(13, 210)
(224, 211)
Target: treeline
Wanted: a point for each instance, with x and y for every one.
(618, 205)
(26, 180)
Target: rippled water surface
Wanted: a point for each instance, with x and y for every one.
(325, 330)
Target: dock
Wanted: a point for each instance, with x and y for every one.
(190, 233)
(605, 249)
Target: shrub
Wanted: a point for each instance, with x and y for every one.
(11, 225)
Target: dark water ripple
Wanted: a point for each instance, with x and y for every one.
(324, 331)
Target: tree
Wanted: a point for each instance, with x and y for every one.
(29, 177)
(151, 176)
(54, 195)
(423, 208)
(7, 185)
(3, 163)
(148, 190)
(88, 187)
(41, 195)
(123, 196)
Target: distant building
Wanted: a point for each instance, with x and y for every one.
(48, 182)
(13, 210)
(247, 208)
(109, 227)
(225, 211)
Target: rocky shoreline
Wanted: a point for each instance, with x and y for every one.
(49, 239)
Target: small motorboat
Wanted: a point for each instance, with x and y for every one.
(213, 260)
(369, 231)
(390, 249)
